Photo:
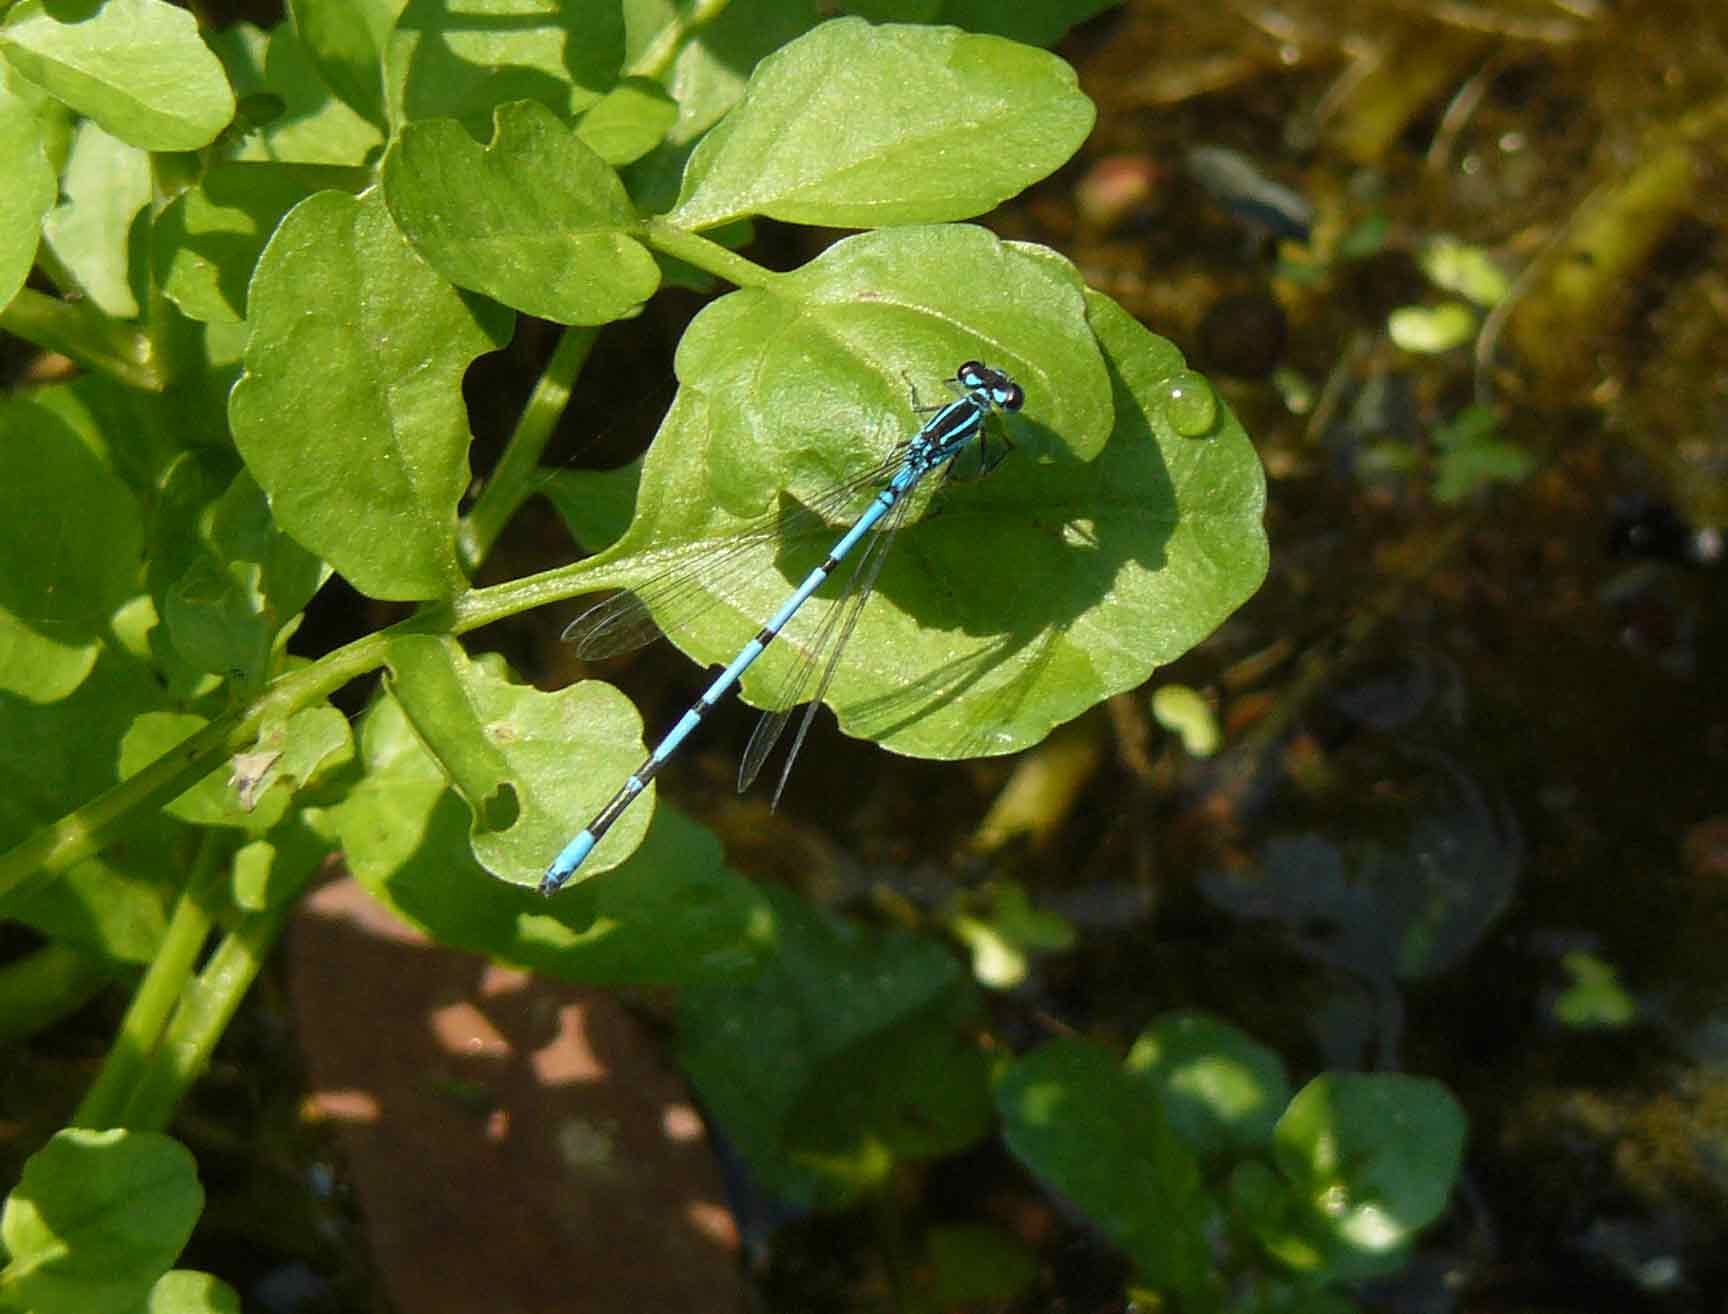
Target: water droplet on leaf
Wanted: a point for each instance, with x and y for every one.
(1190, 403)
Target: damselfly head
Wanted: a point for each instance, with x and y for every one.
(1002, 391)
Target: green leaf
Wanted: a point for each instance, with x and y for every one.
(851, 1049)
(107, 186)
(56, 756)
(186, 488)
(228, 608)
(1596, 999)
(1432, 329)
(350, 412)
(184, 1291)
(210, 802)
(1473, 455)
(301, 751)
(1373, 1158)
(628, 122)
(1263, 1204)
(856, 127)
(1222, 1090)
(1002, 929)
(70, 536)
(446, 699)
(1467, 270)
(673, 914)
(535, 220)
(501, 745)
(313, 127)
(38, 663)
(711, 69)
(463, 62)
(152, 431)
(1187, 714)
(346, 40)
(1263, 1207)
(137, 67)
(596, 505)
(252, 792)
(206, 244)
(96, 1219)
(30, 181)
(792, 366)
(1099, 1137)
(1136, 555)
(275, 870)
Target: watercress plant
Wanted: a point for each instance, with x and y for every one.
(271, 258)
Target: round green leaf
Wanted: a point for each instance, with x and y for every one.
(463, 61)
(345, 41)
(670, 915)
(97, 1218)
(1021, 599)
(314, 127)
(1375, 1156)
(70, 541)
(1099, 1137)
(632, 119)
(206, 244)
(137, 67)
(184, 1291)
(854, 126)
(711, 71)
(350, 413)
(107, 184)
(1222, 1089)
(54, 756)
(247, 580)
(536, 220)
(850, 1049)
(506, 750)
(228, 796)
(807, 378)
(30, 183)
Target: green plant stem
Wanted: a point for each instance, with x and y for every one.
(51, 267)
(153, 1001)
(705, 255)
(82, 833)
(78, 330)
(657, 59)
(205, 1010)
(518, 469)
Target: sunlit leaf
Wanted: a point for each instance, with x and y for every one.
(855, 126)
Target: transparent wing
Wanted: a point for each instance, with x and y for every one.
(682, 592)
(830, 639)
